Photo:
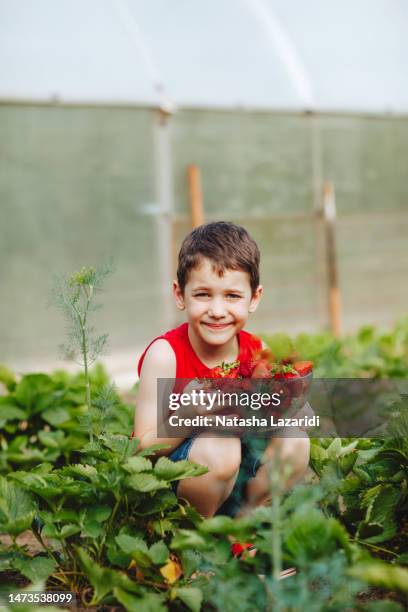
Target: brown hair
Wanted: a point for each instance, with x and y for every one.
(229, 247)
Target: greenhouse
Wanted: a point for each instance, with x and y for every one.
(227, 467)
(105, 105)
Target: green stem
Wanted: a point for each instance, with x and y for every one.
(108, 528)
(275, 531)
(49, 551)
(115, 509)
(17, 546)
(377, 548)
(85, 356)
(84, 351)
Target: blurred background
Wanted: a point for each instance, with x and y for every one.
(125, 122)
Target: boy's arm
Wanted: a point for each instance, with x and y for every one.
(159, 362)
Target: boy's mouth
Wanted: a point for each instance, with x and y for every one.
(217, 326)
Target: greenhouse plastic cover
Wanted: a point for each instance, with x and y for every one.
(348, 55)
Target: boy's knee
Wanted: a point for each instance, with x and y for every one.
(298, 452)
(222, 456)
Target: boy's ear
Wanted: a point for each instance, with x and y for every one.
(178, 296)
(255, 299)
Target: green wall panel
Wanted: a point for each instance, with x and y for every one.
(73, 186)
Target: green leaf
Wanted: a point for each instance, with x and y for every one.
(38, 568)
(218, 524)
(137, 549)
(81, 469)
(145, 483)
(35, 392)
(123, 446)
(138, 464)
(160, 502)
(346, 463)
(52, 439)
(65, 516)
(191, 597)
(191, 561)
(188, 539)
(56, 416)
(318, 457)
(51, 531)
(6, 560)
(402, 559)
(99, 513)
(300, 495)
(377, 573)
(308, 535)
(176, 470)
(17, 509)
(159, 553)
(92, 529)
(129, 543)
(103, 579)
(382, 501)
(47, 486)
(385, 504)
(162, 526)
(9, 412)
(147, 602)
(69, 530)
(7, 378)
(334, 449)
(116, 556)
(148, 452)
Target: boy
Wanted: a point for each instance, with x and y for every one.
(218, 288)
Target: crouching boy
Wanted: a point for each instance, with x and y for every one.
(218, 288)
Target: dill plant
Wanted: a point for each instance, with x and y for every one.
(75, 295)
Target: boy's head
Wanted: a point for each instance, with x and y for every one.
(218, 280)
(228, 246)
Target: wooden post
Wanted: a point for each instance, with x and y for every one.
(334, 297)
(196, 196)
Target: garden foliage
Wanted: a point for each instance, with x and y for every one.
(105, 521)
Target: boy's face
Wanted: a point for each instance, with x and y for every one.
(217, 307)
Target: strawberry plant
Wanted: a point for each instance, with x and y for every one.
(40, 413)
(84, 509)
(103, 524)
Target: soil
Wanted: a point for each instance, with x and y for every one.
(26, 539)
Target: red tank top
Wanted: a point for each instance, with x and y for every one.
(188, 365)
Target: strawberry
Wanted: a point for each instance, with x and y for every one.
(303, 367)
(238, 548)
(226, 370)
(246, 368)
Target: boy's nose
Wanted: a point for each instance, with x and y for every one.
(216, 309)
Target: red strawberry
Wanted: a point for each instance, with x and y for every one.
(286, 375)
(246, 368)
(226, 370)
(237, 548)
(303, 367)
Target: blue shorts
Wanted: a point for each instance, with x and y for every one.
(252, 451)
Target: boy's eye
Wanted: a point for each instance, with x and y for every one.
(234, 295)
(202, 294)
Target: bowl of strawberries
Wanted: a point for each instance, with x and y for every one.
(290, 378)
